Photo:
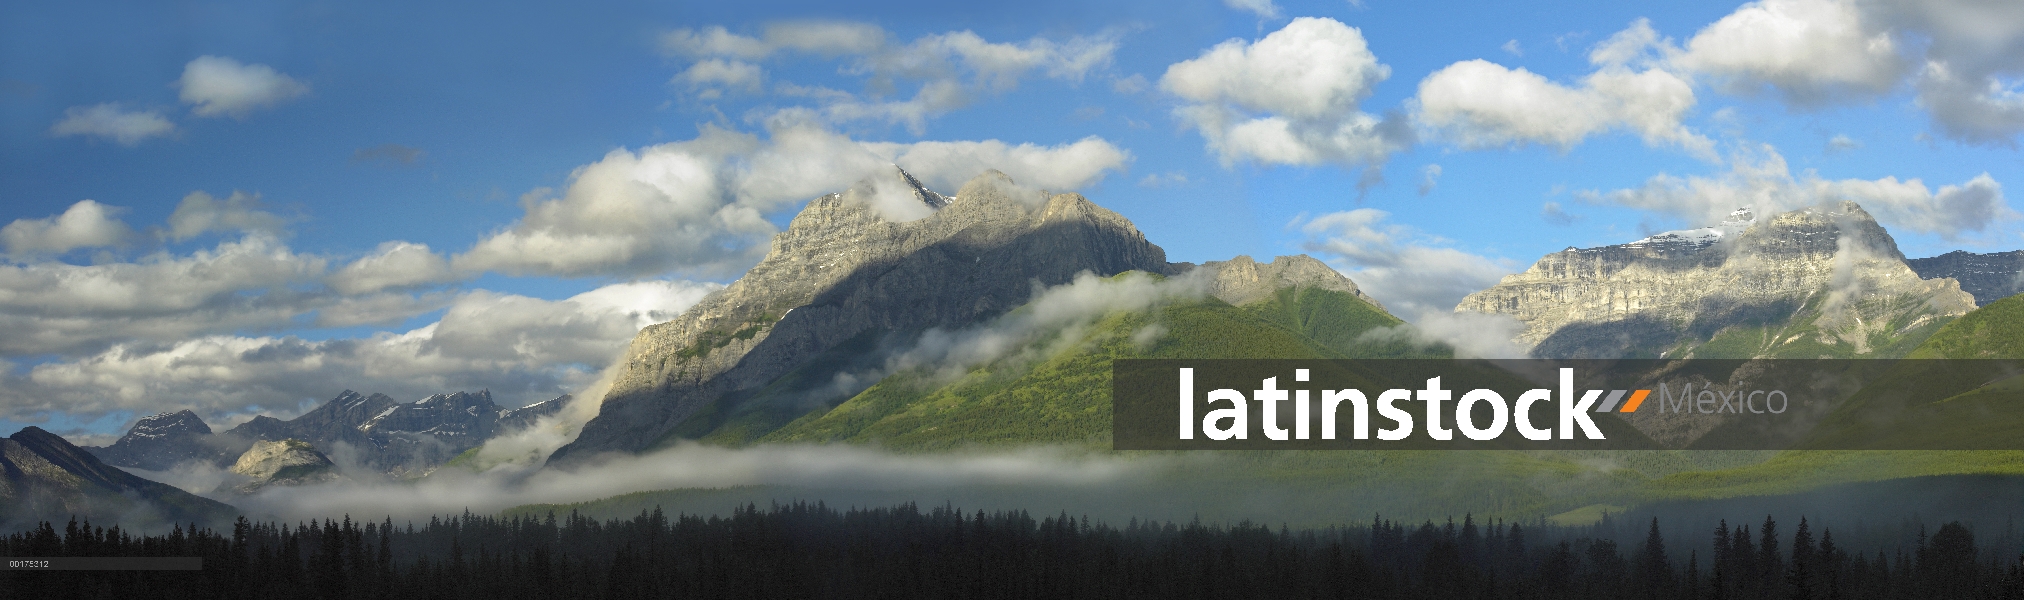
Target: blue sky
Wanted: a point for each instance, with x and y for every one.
(289, 199)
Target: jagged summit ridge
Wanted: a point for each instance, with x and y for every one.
(927, 196)
(1831, 268)
(842, 269)
(168, 424)
(388, 435)
(158, 442)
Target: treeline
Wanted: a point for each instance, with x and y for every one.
(813, 551)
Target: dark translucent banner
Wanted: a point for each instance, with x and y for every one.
(105, 563)
(1710, 404)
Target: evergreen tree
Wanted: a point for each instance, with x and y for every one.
(1800, 575)
(1770, 565)
(1654, 573)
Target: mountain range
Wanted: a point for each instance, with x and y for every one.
(803, 348)
(374, 431)
(993, 319)
(1820, 281)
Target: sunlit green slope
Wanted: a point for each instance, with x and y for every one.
(1064, 395)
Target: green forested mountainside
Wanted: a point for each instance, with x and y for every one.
(1342, 323)
(1063, 397)
(1800, 333)
(1060, 397)
(1964, 386)
(1053, 390)
(1992, 331)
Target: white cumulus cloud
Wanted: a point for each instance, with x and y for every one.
(1759, 178)
(1972, 65)
(1809, 51)
(700, 205)
(1962, 59)
(395, 264)
(109, 121)
(1289, 98)
(953, 69)
(200, 212)
(1479, 104)
(86, 224)
(1265, 9)
(53, 307)
(1063, 167)
(721, 75)
(221, 86)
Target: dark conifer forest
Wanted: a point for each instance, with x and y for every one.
(814, 551)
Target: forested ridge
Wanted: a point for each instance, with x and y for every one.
(815, 551)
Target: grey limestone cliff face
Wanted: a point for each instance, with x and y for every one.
(1990, 277)
(1824, 277)
(841, 269)
(280, 462)
(1242, 280)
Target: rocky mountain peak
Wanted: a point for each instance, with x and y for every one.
(181, 422)
(842, 269)
(348, 409)
(1242, 280)
(926, 196)
(268, 457)
(1824, 277)
(462, 414)
(281, 462)
(160, 441)
(1825, 230)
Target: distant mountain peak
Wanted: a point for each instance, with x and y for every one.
(159, 442)
(281, 462)
(1822, 279)
(1243, 280)
(170, 424)
(390, 435)
(1990, 277)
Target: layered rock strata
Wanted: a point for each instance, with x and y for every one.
(1990, 277)
(1824, 280)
